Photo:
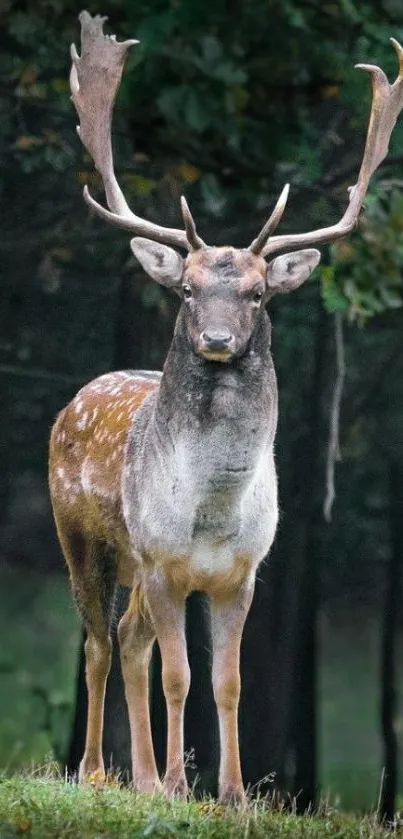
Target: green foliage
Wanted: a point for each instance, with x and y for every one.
(37, 667)
(365, 277)
(45, 808)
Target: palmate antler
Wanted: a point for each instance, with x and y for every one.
(94, 81)
(387, 102)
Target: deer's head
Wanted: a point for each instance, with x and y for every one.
(224, 290)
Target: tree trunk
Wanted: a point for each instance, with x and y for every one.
(77, 738)
(201, 723)
(116, 740)
(267, 667)
(388, 648)
(305, 685)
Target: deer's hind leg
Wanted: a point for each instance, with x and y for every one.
(136, 638)
(92, 566)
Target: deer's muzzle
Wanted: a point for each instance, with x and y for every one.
(217, 344)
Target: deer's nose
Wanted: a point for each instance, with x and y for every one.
(216, 340)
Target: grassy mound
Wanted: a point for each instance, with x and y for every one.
(42, 806)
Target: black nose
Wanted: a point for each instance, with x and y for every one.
(216, 339)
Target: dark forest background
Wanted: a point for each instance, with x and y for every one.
(224, 102)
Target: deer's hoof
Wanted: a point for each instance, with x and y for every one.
(90, 775)
(232, 795)
(175, 787)
(151, 786)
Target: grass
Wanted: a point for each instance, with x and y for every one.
(43, 806)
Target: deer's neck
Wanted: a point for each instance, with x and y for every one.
(209, 399)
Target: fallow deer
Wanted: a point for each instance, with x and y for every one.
(166, 482)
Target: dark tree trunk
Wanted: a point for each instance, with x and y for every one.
(305, 685)
(77, 738)
(201, 724)
(267, 668)
(116, 740)
(256, 689)
(388, 649)
(158, 711)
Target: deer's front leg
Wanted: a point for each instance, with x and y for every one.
(168, 614)
(227, 622)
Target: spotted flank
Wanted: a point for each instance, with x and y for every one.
(89, 437)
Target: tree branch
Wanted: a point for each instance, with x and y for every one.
(333, 450)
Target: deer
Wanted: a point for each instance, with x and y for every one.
(165, 482)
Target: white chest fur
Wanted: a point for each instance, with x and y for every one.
(208, 500)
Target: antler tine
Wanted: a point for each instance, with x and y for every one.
(192, 235)
(387, 102)
(258, 244)
(94, 80)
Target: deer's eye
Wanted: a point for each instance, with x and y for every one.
(187, 292)
(257, 296)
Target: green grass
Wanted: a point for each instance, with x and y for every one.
(43, 806)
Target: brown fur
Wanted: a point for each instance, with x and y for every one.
(102, 442)
(182, 582)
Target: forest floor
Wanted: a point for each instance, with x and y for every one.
(44, 806)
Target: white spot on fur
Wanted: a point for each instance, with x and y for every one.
(82, 422)
(91, 479)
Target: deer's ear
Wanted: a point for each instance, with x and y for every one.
(161, 263)
(287, 272)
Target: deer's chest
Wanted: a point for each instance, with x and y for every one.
(207, 501)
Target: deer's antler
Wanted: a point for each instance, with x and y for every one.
(94, 80)
(274, 220)
(387, 102)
